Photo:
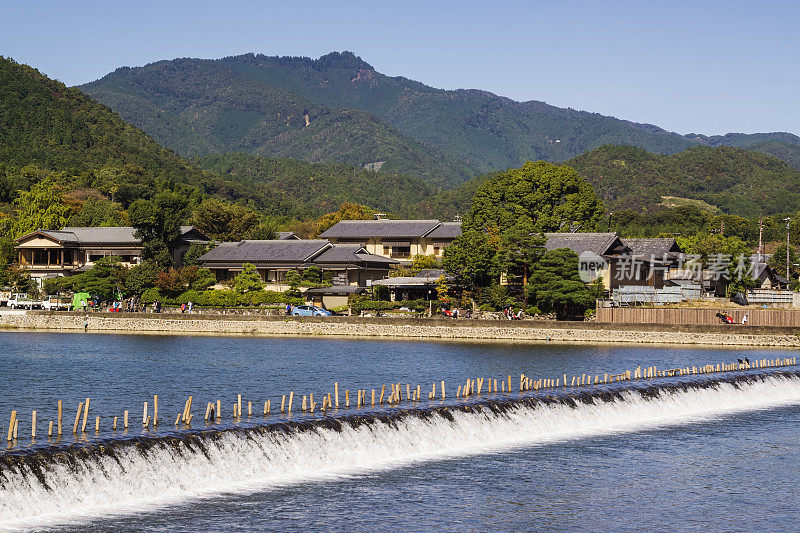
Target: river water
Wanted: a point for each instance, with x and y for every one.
(718, 455)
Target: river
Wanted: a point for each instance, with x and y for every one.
(716, 455)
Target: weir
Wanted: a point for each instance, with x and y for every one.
(117, 474)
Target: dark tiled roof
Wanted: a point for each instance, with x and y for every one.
(350, 253)
(652, 247)
(446, 230)
(275, 251)
(63, 236)
(284, 235)
(364, 229)
(116, 235)
(599, 243)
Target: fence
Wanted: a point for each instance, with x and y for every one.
(643, 295)
(650, 315)
(770, 296)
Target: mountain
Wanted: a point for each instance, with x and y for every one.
(312, 189)
(339, 108)
(45, 123)
(735, 180)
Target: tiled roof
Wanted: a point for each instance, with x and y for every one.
(120, 235)
(446, 230)
(350, 253)
(651, 247)
(364, 229)
(599, 243)
(284, 235)
(114, 235)
(274, 251)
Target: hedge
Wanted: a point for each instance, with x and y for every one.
(221, 298)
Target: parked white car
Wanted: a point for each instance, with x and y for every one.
(56, 303)
(20, 300)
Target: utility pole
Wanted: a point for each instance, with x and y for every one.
(760, 240)
(788, 220)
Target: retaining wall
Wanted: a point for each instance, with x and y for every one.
(526, 331)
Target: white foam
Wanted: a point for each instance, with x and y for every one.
(239, 462)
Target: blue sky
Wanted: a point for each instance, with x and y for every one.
(701, 66)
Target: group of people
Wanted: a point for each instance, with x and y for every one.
(728, 319)
(508, 313)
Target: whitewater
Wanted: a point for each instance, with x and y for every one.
(74, 483)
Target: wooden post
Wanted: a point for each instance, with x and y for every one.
(178, 420)
(283, 402)
(85, 415)
(33, 424)
(218, 412)
(303, 405)
(50, 429)
(266, 408)
(336, 392)
(433, 392)
(347, 398)
(291, 397)
(239, 404)
(11, 424)
(208, 411)
(16, 426)
(155, 410)
(115, 424)
(189, 420)
(59, 418)
(495, 386)
(249, 408)
(97, 424)
(458, 392)
(383, 392)
(125, 420)
(144, 414)
(373, 396)
(77, 418)
(408, 391)
(311, 402)
(442, 384)
(419, 391)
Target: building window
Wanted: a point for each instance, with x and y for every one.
(437, 250)
(401, 251)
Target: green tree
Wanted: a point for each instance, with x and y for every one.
(520, 248)
(541, 196)
(556, 286)
(248, 279)
(106, 279)
(42, 207)
(158, 222)
(224, 221)
(142, 277)
(471, 259)
(197, 279)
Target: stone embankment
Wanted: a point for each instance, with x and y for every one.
(400, 328)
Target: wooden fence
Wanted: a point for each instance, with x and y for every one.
(680, 316)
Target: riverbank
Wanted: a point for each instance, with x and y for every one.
(402, 328)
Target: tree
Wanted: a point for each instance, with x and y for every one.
(541, 196)
(556, 285)
(106, 279)
(348, 211)
(193, 254)
(170, 282)
(248, 279)
(142, 277)
(42, 207)
(520, 248)
(224, 221)
(197, 279)
(158, 222)
(471, 259)
(501, 232)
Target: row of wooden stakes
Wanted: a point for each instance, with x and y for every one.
(363, 398)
